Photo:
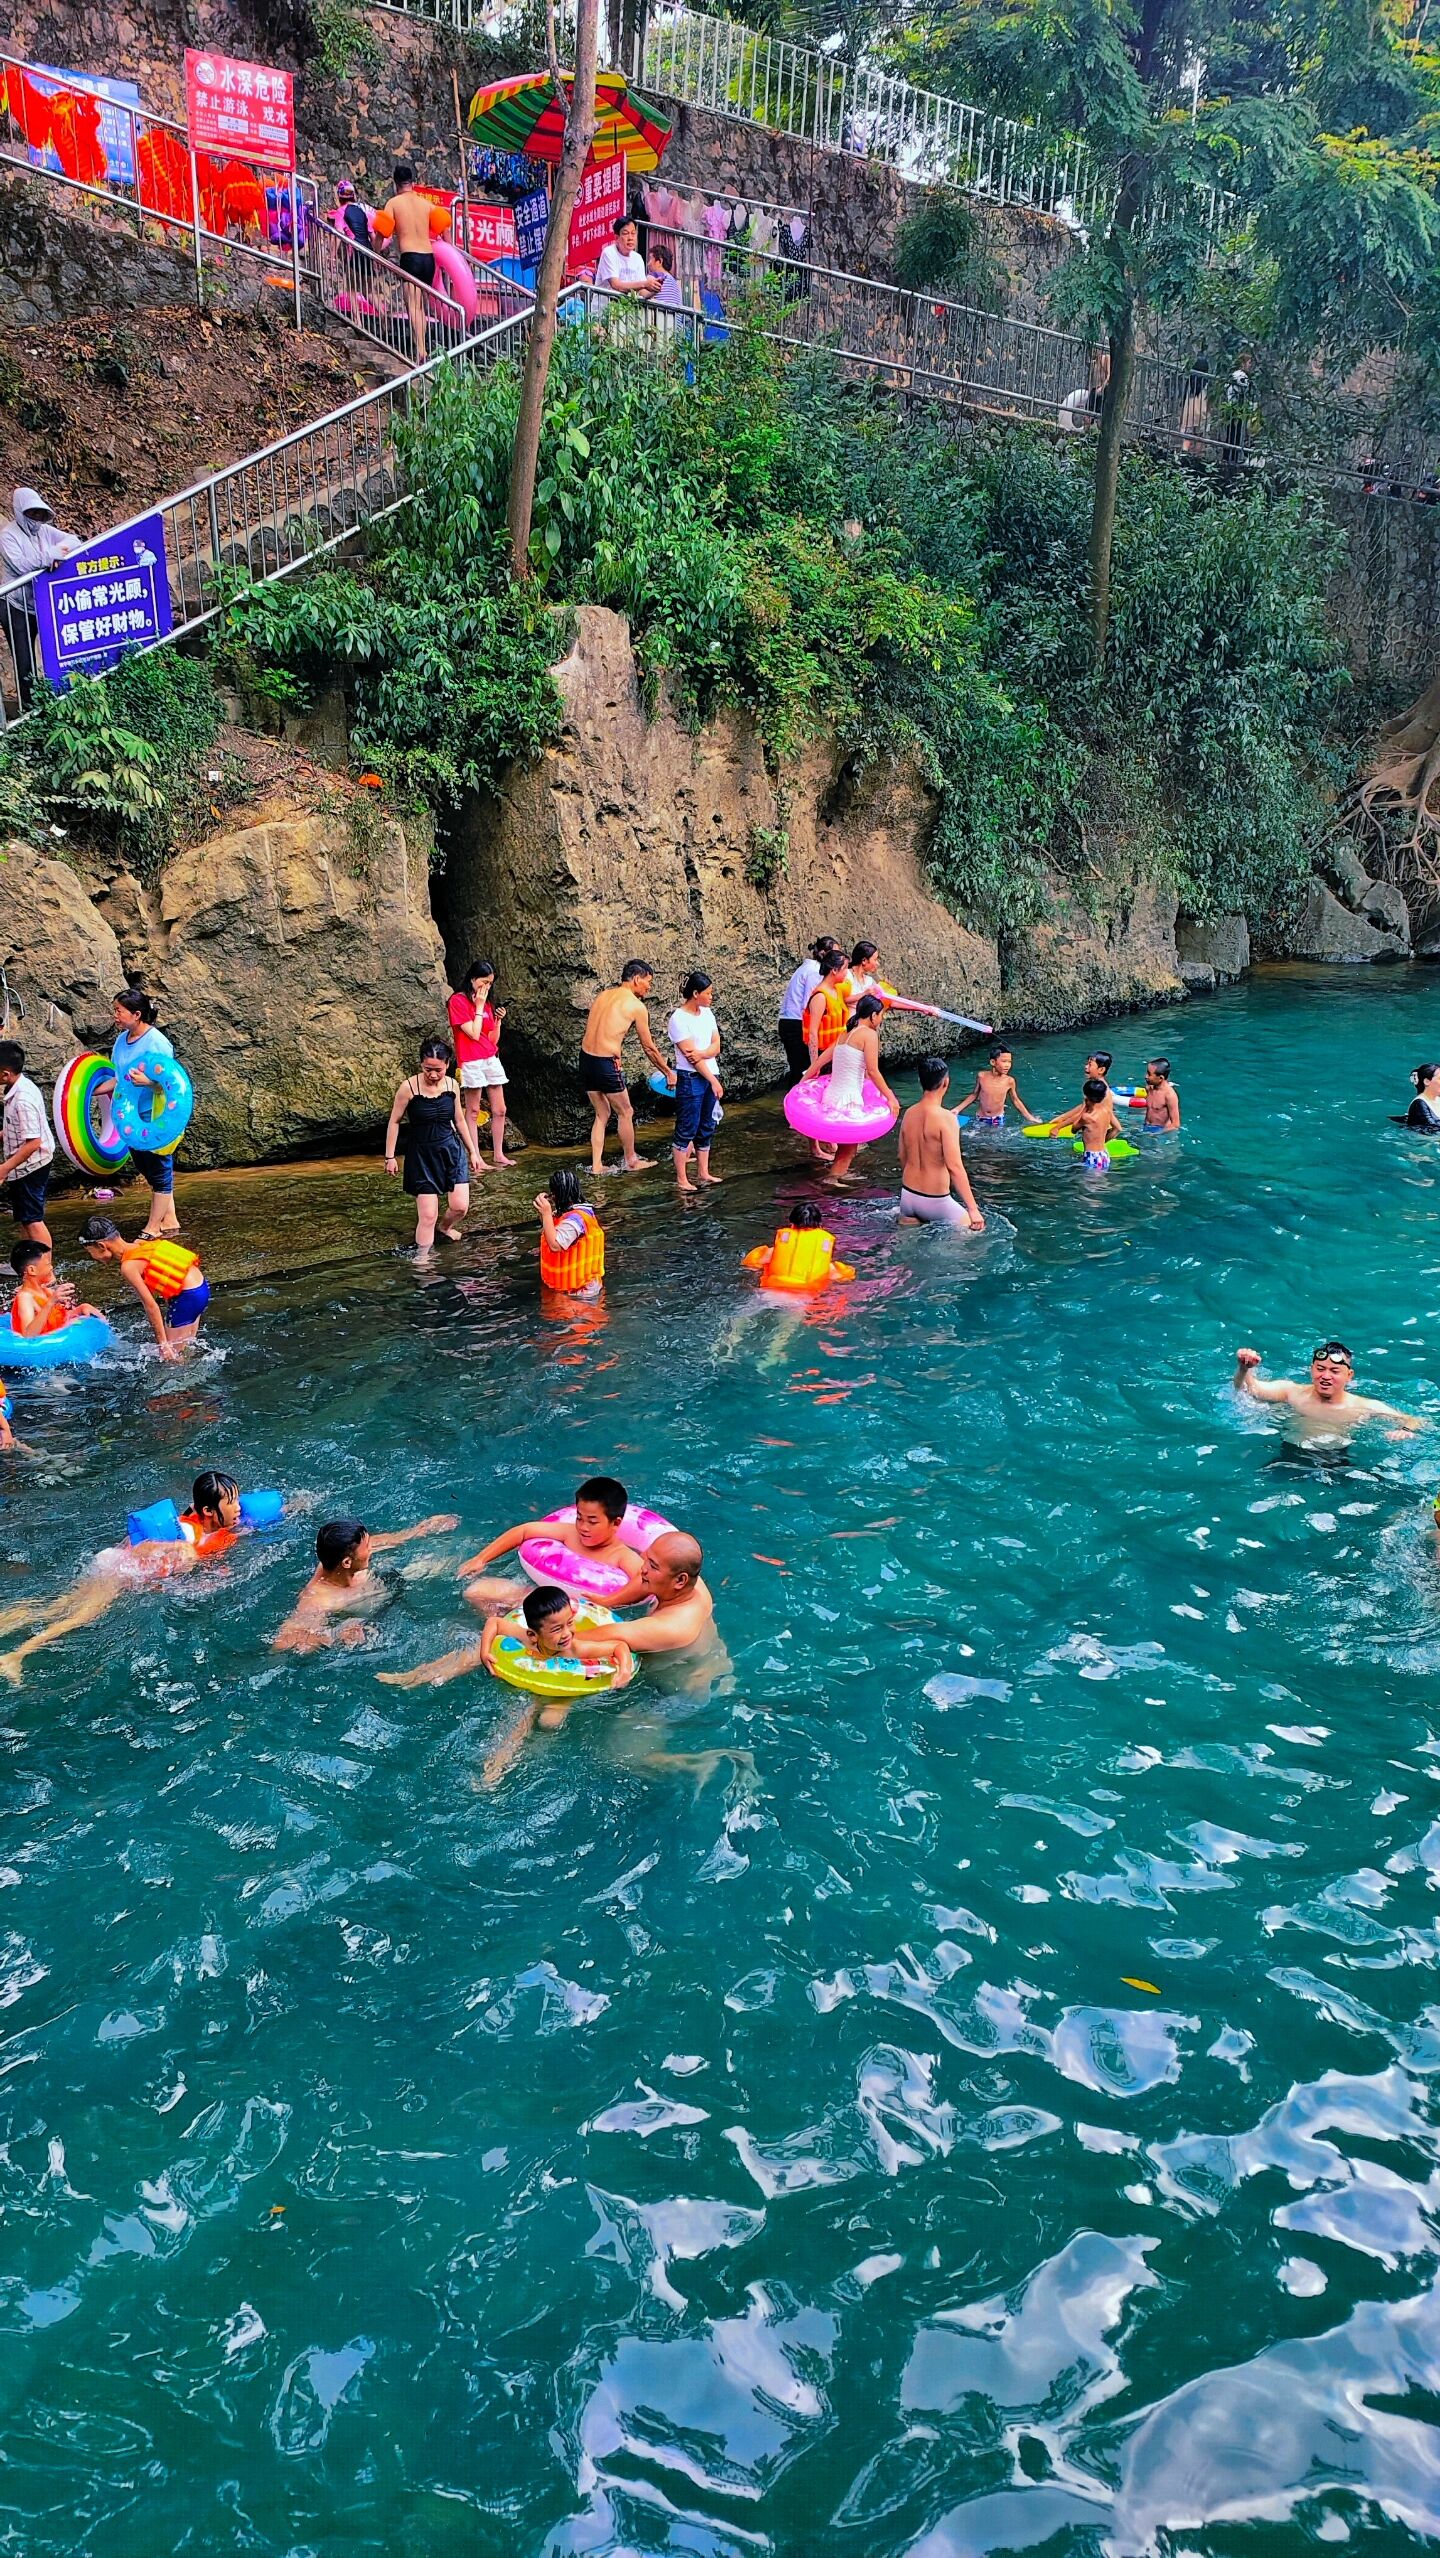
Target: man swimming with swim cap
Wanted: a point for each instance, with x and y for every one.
(1327, 1406)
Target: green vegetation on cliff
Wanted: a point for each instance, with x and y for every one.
(830, 564)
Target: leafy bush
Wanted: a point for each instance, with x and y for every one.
(448, 683)
(782, 541)
(120, 762)
(941, 248)
(344, 41)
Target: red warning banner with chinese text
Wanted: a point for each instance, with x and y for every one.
(245, 109)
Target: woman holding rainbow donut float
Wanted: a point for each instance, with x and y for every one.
(133, 1106)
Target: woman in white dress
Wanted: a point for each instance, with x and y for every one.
(854, 1058)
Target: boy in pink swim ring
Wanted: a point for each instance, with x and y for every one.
(592, 1536)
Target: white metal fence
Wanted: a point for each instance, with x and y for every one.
(922, 346)
(716, 63)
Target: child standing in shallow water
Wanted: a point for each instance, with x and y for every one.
(572, 1239)
(1097, 1124)
(993, 1087)
(438, 1139)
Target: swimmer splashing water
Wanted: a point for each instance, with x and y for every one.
(1327, 1407)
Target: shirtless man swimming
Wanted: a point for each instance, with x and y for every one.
(608, 1024)
(407, 216)
(342, 1584)
(681, 1611)
(932, 1168)
(1327, 1406)
(1162, 1101)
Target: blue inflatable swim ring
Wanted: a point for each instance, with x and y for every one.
(161, 1132)
(85, 1338)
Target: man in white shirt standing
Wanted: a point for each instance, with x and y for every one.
(622, 268)
(27, 1148)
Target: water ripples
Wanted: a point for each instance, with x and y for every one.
(961, 2079)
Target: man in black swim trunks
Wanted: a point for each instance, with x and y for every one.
(614, 1014)
(408, 216)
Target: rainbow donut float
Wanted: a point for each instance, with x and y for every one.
(84, 1125)
(546, 1559)
(159, 1131)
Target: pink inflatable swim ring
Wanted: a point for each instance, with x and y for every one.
(805, 1109)
(455, 278)
(546, 1559)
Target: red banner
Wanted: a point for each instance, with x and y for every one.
(244, 109)
(492, 233)
(592, 224)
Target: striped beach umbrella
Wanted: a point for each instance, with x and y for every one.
(525, 115)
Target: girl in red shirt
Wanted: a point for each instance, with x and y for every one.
(475, 1028)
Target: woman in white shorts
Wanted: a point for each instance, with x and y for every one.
(475, 1028)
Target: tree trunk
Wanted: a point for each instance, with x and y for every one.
(579, 134)
(1107, 472)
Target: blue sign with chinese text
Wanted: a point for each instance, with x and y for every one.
(94, 608)
(531, 215)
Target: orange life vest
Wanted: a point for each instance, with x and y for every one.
(581, 1262)
(55, 1320)
(205, 1540)
(165, 1267)
(800, 1257)
(832, 1019)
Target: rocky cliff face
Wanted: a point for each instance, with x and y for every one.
(638, 838)
(295, 979)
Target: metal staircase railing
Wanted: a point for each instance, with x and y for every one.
(272, 513)
(268, 515)
(362, 289)
(731, 70)
(922, 346)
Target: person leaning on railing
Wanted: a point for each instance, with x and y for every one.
(31, 542)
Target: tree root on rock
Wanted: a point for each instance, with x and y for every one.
(1394, 805)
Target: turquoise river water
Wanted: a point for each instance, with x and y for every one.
(748, 2129)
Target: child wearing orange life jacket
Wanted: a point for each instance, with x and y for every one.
(572, 1239)
(802, 1255)
(41, 1303)
(166, 1277)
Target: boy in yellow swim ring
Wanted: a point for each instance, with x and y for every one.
(551, 1634)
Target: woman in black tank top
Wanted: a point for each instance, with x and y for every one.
(438, 1146)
